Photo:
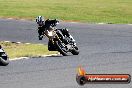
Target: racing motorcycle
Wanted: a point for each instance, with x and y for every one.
(59, 42)
(4, 59)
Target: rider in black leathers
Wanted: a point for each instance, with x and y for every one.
(42, 25)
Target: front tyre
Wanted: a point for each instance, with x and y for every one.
(61, 48)
(75, 51)
(4, 60)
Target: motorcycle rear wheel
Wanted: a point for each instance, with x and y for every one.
(4, 60)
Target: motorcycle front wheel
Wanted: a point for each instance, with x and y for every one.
(61, 48)
(75, 51)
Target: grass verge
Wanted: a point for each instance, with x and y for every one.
(93, 11)
(15, 50)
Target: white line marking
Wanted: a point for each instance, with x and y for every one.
(101, 23)
(18, 42)
(27, 43)
(14, 59)
(129, 24)
(74, 22)
(7, 41)
(10, 18)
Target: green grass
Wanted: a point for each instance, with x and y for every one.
(25, 50)
(93, 11)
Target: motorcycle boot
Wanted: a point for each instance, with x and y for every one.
(72, 40)
(66, 32)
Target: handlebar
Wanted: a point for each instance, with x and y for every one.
(54, 23)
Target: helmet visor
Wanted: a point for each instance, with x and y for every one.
(40, 23)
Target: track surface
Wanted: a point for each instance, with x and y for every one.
(103, 49)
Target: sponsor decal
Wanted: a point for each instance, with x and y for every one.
(82, 78)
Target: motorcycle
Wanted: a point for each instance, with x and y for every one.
(59, 42)
(4, 59)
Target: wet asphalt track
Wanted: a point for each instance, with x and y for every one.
(103, 49)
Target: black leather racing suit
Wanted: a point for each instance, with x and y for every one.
(46, 25)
